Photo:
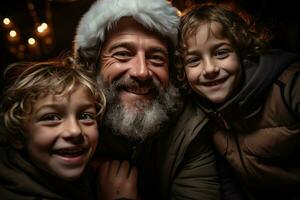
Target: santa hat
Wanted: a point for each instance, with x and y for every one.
(158, 15)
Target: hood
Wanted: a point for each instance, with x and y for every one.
(24, 181)
(259, 77)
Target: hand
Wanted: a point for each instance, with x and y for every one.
(117, 180)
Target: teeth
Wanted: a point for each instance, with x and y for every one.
(213, 83)
(139, 90)
(70, 152)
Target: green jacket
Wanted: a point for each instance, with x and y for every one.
(178, 164)
(188, 168)
(258, 129)
(20, 180)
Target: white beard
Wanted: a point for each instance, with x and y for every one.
(146, 119)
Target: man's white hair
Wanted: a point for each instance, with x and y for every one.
(158, 15)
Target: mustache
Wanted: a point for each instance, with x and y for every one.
(123, 83)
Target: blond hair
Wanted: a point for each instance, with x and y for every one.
(25, 83)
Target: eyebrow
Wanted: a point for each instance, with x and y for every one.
(61, 106)
(129, 45)
(121, 44)
(159, 49)
(214, 47)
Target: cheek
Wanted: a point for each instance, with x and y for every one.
(191, 75)
(38, 148)
(236, 74)
(234, 65)
(93, 134)
(40, 138)
(111, 69)
(162, 74)
(236, 79)
(236, 68)
(235, 71)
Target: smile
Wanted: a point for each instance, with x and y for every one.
(70, 152)
(215, 82)
(138, 91)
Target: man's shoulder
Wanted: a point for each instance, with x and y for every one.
(189, 123)
(192, 111)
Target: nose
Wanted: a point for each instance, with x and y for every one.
(73, 131)
(139, 68)
(210, 69)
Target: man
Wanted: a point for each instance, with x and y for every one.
(129, 45)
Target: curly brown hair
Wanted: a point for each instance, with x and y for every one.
(237, 26)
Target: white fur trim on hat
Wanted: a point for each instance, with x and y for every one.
(155, 14)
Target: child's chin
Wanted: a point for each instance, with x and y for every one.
(71, 175)
(217, 100)
(71, 178)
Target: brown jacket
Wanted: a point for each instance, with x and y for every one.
(260, 135)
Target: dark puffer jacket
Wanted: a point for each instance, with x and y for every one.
(20, 180)
(258, 130)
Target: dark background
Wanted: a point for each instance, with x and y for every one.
(281, 17)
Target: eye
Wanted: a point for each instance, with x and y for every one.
(192, 61)
(50, 117)
(122, 55)
(87, 117)
(222, 53)
(157, 59)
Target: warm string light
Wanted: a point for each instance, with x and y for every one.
(6, 21)
(37, 44)
(13, 37)
(42, 28)
(31, 41)
(12, 33)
